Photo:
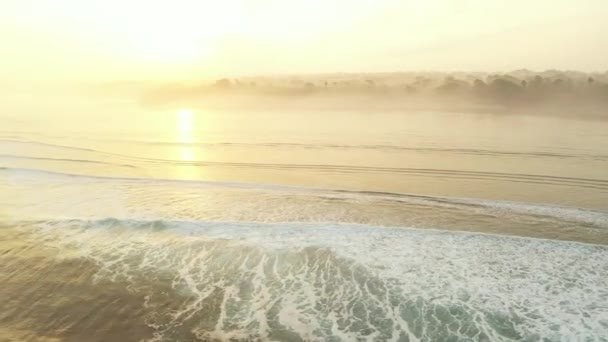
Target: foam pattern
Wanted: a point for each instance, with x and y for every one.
(343, 282)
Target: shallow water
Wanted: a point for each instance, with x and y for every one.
(331, 226)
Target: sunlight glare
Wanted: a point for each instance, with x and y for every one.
(186, 152)
(185, 134)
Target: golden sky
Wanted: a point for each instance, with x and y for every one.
(75, 40)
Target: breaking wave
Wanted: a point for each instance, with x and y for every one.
(304, 281)
(239, 261)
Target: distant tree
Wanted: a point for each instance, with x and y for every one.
(590, 80)
(503, 85)
(451, 85)
(537, 81)
(505, 91)
(223, 83)
(479, 84)
(422, 82)
(479, 88)
(410, 88)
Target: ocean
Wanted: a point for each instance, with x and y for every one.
(120, 223)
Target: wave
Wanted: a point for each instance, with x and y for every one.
(67, 147)
(590, 183)
(382, 147)
(254, 281)
(485, 152)
(257, 231)
(86, 161)
(212, 278)
(156, 190)
(579, 182)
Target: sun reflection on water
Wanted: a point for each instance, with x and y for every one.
(186, 151)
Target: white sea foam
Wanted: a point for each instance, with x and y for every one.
(48, 194)
(266, 262)
(313, 281)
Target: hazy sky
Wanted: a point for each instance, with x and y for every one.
(188, 39)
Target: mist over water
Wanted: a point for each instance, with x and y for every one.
(550, 93)
(188, 223)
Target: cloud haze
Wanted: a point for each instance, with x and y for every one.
(72, 40)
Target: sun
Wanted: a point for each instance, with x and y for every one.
(168, 45)
(165, 32)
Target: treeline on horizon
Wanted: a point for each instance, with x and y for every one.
(571, 90)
